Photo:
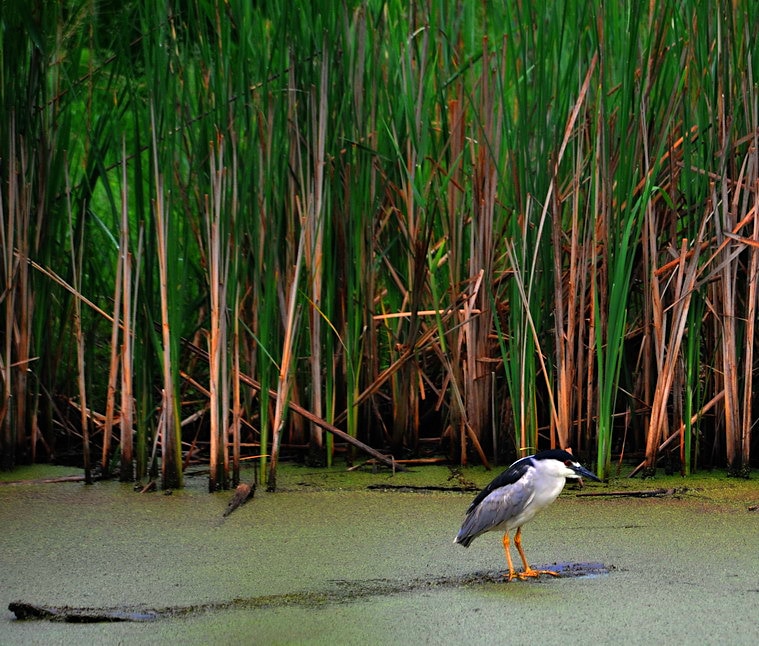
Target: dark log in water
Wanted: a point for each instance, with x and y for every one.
(342, 592)
(25, 611)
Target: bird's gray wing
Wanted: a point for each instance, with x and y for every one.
(510, 476)
(499, 506)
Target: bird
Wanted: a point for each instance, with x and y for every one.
(515, 496)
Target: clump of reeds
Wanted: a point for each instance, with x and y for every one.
(494, 230)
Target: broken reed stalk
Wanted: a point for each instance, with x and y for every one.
(668, 349)
(678, 435)
(308, 415)
(283, 381)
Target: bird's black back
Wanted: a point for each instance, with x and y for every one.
(516, 471)
(507, 477)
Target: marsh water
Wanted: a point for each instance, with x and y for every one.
(331, 560)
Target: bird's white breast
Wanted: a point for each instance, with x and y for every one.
(533, 497)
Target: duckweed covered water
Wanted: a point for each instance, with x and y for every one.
(330, 561)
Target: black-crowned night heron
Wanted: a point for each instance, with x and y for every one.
(515, 496)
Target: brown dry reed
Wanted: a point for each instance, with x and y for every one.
(469, 229)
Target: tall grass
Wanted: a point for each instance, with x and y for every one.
(435, 227)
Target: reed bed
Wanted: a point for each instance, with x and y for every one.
(465, 229)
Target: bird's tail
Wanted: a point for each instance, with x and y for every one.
(463, 538)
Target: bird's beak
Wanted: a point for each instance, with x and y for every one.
(582, 472)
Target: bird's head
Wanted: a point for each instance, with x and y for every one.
(561, 463)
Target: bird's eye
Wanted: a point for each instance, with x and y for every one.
(568, 463)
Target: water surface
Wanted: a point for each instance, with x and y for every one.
(330, 561)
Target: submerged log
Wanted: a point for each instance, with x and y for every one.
(25, 611)
(340, 592)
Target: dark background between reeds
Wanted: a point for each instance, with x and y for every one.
(451, 229)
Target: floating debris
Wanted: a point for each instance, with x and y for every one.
(243, 493)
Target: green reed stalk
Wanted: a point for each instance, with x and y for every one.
(693, 384)
(533, 167)
(525, 81)
(408, 260)
(171, 449)
(621, 206)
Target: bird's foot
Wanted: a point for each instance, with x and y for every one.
(532, 574)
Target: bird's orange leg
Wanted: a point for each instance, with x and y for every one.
(512, 573)
(528, 571)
